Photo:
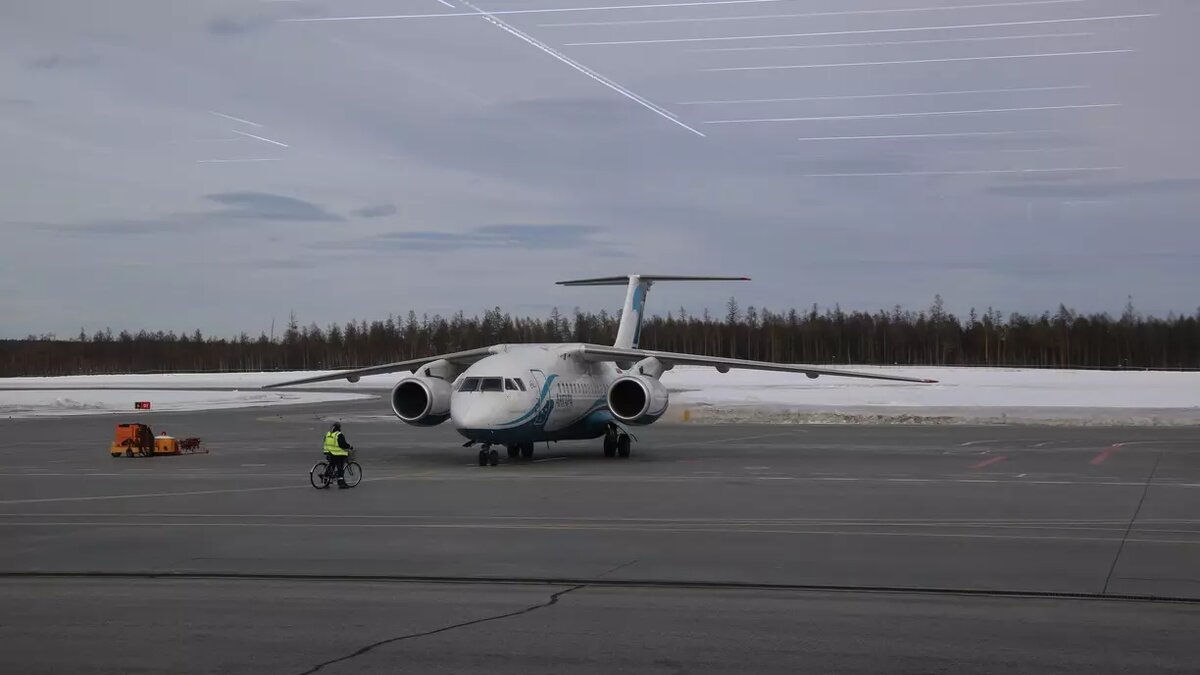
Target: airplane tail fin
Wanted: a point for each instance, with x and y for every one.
(630, 329)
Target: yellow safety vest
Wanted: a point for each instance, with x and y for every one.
(331, 444)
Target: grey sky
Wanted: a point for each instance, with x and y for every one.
(215, 164)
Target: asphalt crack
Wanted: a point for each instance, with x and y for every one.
(553, 600)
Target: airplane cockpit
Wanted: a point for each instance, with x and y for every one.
(491, 384)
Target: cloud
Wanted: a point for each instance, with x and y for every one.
(54, 61)
(539, 237)
(230, 25)
(267, 206)
(1165, 186)
(245, 209)
(375, 211)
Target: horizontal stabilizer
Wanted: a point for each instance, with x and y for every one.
(623, 280)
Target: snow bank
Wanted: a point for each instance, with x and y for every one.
(962, 395)
(57, 403)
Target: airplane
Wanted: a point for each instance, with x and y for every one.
(516, 395)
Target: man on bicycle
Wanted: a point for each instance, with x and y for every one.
(336, 451)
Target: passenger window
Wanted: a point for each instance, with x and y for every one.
(491, 384)
(509, 385)
(469, 384)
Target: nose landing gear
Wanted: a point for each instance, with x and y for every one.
(616, 442)
(487, 456)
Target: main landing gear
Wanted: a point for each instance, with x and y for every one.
(616, 442)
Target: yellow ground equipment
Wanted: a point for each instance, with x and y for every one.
(137, 440)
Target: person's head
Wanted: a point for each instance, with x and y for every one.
(337, 426)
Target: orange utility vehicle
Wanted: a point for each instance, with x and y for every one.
(137, 440)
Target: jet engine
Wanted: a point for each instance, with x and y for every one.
(637, 399)
(422, 401)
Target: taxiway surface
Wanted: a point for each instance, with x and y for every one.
(713, 548)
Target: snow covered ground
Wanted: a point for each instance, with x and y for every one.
(962, 395)
(44, 402)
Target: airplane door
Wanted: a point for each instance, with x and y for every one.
(539, 379)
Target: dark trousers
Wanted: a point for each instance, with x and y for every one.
(338, 463)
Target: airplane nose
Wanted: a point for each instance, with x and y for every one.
(468, 414)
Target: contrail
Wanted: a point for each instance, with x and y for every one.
(547, 10)
(242, 133)
(232, 161)
(911, 61)
(1037, 36)
(500, 23)
(967, 172)
(958, 134)
(897, 95)
(1040, 22)
(235, 119)
(938, 113)
(853, 12)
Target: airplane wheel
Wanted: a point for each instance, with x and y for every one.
(514, 451)
(623, 446)
(493, 458)
(610, 447)
(527, 450)
(483, 458)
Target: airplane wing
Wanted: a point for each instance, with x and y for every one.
(467, 356)
(602, 353)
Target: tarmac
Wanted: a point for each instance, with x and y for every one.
(714, 548)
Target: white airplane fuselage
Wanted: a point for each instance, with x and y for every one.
(532, 393)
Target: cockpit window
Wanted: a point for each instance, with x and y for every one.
(509, 385)
(491, 384)
(520, 384)
(469, 384)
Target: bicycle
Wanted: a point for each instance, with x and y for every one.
(322, 473)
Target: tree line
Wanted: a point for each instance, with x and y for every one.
(932, 336)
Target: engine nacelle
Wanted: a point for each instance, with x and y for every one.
(636, 399)
(422, 401)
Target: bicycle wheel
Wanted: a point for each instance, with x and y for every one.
(353, 474)
(318, 477)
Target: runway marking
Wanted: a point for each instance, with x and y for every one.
(46, 500)
(547, 459)
(1105, 454)
(989, 462)
(775, 478)
(921, 522)
(254, 465)
(656, 530)
(861, 32)
(728, 440)
(447, 4)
